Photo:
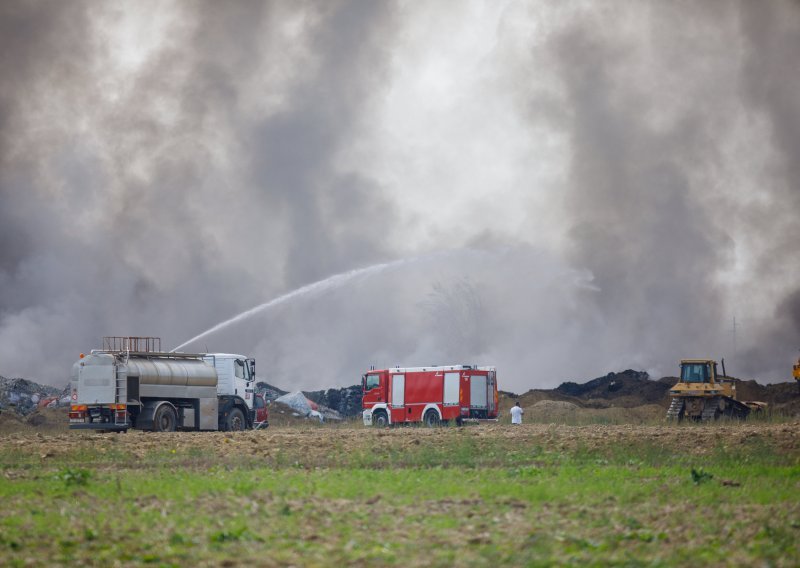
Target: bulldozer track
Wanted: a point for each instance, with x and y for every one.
(675, 411)
(711, 410)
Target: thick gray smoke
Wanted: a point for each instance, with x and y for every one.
(616, 180)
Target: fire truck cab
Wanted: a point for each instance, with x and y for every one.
(430, 395)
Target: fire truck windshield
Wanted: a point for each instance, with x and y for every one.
(694, 373)
(372, 382)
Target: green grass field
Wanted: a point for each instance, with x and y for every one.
(536, 495)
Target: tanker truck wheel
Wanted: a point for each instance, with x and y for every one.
(165, 419)
(235, 421)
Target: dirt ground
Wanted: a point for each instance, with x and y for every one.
(321, 444)
(45, 434)
(43, 420)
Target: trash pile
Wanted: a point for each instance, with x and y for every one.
(337, 402)
(22, 396)
(268, 391)
(346, 401)
(304, 407)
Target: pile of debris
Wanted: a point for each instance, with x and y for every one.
(346, 401)
(336, 403)
(626, 389)
(306, 408)
(22, 396)
(269, 392)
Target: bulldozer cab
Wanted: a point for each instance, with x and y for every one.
(698, 371)
(700, 377)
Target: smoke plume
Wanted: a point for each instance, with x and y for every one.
(605, 184)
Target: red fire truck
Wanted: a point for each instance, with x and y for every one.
(431, 395)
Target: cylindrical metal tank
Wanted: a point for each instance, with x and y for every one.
(176, 372)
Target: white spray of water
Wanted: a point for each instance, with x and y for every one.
(310, 290)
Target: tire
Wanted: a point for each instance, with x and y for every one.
(235, 421)
(431, 419)
(165, 419)
(380, 419)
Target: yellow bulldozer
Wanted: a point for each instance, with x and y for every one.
(796, 373)
(703, 394)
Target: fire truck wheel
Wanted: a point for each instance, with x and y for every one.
(235, 421)
(431, 419)
(380, 420)
(165, 419)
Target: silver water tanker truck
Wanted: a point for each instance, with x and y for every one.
(131, 383)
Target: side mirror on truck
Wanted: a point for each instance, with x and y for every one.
(252, 364)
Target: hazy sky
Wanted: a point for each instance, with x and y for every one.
(578, 186)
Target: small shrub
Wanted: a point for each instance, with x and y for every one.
(228, 535)
(73, 477)
(525, 471)
(700, 476)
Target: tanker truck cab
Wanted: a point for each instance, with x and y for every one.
(235, 375)
(235, 380)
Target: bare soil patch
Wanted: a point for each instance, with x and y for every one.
(322, 446)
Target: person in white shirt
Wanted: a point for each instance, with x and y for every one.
(516, 414)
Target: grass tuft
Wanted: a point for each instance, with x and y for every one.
(72, 477)
(700, 476)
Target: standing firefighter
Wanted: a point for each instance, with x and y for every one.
(516, 414)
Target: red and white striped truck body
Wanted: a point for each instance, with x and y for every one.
(453, 393)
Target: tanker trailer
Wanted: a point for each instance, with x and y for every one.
(131, 383)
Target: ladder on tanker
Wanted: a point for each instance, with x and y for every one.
(121, 397)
